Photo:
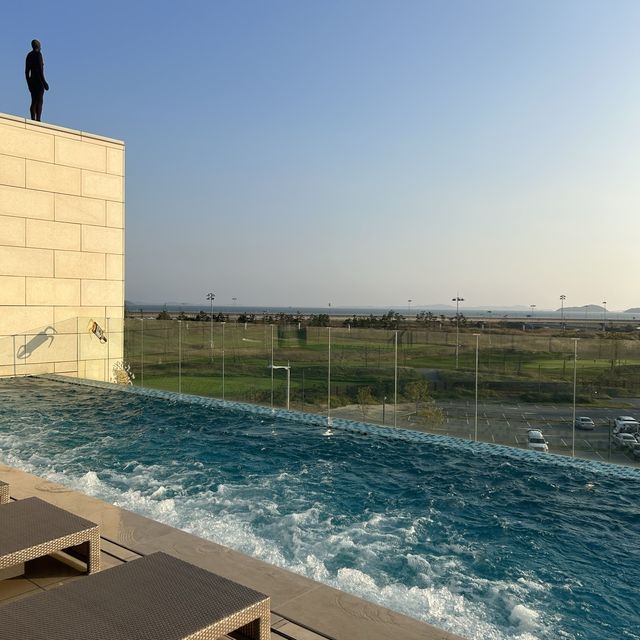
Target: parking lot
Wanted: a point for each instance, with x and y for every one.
(508, 424)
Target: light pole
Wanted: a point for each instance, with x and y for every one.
(271, 367)
(179, 356)
(288, 368)
(562, 299)
(575, 369)
(457, 300)
(329, 376)
(477, 335)
(604, 317)
(142, 354)
(211, 298)
(533, 306)
(409, 308)
(395, 384)
(223, 360)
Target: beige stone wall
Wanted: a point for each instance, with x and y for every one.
(61, 249)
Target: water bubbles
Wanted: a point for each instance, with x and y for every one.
(478, 544)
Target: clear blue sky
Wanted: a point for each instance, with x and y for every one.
(357, 152)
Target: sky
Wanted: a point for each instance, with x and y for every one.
(358, 153)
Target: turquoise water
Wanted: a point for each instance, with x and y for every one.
(479, 540)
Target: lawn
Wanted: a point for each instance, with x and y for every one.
(192, 356)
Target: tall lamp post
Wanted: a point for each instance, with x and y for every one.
(575, 370)
(211, 298)
(223, 359)
(272, 368)
(477, 335)
(562, 299)
(604, 317)
(395, 383)
(409, 307)
(457, 300)
(533, 306)
(329, 376)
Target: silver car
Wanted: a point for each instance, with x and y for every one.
(624, 439)
(585, 423)
(536, 441)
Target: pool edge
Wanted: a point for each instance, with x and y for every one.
(366, 428)
(325, 609)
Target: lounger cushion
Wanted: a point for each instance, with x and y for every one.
(158, 597)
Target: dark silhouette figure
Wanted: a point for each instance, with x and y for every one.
(36, 341)
(34, 73)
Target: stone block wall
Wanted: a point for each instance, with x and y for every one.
(61, 250)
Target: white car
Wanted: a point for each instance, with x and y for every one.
(624, 440)
(536, 441)
(585, 423)
(625, 423)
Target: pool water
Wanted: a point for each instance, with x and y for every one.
(476, 539)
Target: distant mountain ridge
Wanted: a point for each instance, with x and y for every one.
(585, 308)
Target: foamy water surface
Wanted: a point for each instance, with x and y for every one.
(484, 545)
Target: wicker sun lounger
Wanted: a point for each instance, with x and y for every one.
(4, 492)
(157, 597)
(33, 528)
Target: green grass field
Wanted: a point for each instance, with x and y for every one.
(176, 355)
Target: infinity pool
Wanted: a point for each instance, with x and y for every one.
(481, 540)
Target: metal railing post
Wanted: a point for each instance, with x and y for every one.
(395, 384)
(142, 354)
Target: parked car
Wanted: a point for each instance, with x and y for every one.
(585, 423)
(536, 441)
(635, 451)
(626, 424)
(623, 439)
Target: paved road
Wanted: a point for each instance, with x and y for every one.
(508, 424)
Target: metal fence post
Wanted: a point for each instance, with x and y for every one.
(223, 360)
(142, 354)
(108, 323)
(395, 384)
(329, 376)
(179, 356)
(77, 346)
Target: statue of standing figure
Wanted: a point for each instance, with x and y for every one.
(34, 73)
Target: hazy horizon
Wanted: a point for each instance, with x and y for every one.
(357, 152)
(401, 308)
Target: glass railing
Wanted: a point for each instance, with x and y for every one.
(492, 385)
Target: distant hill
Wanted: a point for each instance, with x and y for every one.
(634, 310)
(587, 308)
